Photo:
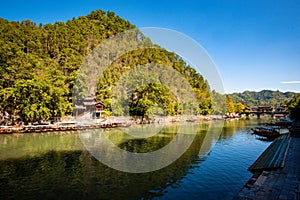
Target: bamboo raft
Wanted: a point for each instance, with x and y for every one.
(273, 157)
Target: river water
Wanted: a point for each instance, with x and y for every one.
(65, 165)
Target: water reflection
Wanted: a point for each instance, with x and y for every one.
(156, 152)
(231, 127)
(57, 166)
(34, 144)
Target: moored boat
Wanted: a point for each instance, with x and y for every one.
(284, 122)
(267, 132)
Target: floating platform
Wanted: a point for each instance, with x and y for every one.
(273, 157)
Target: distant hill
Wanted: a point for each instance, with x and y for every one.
(264, 97)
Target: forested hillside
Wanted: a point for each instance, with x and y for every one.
(39, 64)
(264, 97)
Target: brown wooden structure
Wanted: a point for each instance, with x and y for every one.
(264, 110)
(89, 105)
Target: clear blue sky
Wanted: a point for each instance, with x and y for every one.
(255, 44)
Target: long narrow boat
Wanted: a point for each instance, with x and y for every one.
(267, 132)
(285, 122)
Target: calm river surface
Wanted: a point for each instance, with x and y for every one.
(57, 165)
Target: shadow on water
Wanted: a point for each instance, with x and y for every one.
(75, 174)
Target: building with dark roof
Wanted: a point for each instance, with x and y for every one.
(89, 105)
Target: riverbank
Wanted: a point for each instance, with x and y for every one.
(64, 126)
(71, 124)
(281, 182)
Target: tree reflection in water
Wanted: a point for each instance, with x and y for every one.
(56, 166)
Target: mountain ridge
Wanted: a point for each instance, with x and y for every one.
(263, 97)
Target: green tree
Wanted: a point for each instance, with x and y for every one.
(218, 103)
(152, 99)
(239, 107)
(294, 107)
(229, 105)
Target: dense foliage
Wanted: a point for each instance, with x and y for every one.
(234, 107)
(294, 107)
(262, 98)
(39, 64)
(155, 94)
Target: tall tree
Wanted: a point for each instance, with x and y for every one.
(294, 107)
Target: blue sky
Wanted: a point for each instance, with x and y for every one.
(255, 44)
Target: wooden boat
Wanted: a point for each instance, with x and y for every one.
(285, 122)
(268, 132)
(5, 130)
